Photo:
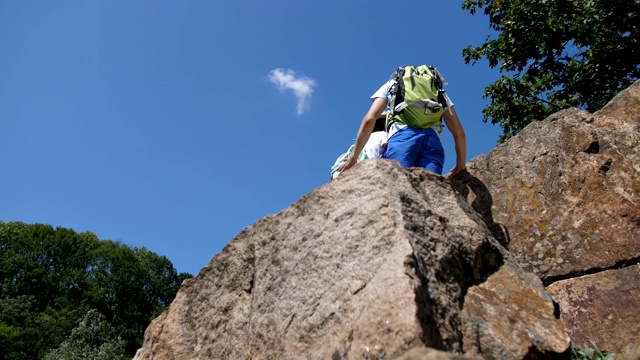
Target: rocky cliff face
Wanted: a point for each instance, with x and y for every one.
(564, 197)
(381, 263)
(394, 263)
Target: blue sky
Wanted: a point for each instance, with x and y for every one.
(175, 124)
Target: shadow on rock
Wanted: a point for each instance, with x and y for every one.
(466, 184)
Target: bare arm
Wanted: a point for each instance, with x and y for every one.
(459, 138)
(366, 127)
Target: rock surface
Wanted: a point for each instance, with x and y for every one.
(564, 196)
(424, 353)
(596, 306)
(378, 264)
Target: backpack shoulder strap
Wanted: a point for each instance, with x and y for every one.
(438, 78)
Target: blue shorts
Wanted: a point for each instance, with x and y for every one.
(413, 147)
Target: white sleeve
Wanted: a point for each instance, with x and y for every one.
(448, 101)
(383, 92)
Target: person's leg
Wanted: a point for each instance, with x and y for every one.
(431, 154)
(403, 146)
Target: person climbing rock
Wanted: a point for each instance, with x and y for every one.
(416, 104)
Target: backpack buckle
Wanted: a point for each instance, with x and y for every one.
(431, 106)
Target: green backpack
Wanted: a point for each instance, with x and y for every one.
(416, 97)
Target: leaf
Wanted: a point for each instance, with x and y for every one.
(558, 53)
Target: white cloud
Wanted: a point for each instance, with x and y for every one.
(302, 87)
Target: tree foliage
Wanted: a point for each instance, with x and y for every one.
(92, 339)
(51, 278)
(555, 54)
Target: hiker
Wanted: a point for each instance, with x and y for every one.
(373, 148)
(414, 121)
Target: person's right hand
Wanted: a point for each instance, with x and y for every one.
(348, 164)
(456, 170)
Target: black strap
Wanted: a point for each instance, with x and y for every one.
(437, 79)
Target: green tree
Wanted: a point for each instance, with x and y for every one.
(92, 339)
(555, 54)
(163, 282)
(132, 286)
(41, 284)
(13, 313)
(50, 278)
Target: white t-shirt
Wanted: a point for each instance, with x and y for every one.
(374, 148)
(375, 145)
(383, 92)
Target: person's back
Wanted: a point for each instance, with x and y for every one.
(408, 143)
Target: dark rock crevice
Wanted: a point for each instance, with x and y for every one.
(431, 336)
(591, 271)
(606, 166)
(593, 148)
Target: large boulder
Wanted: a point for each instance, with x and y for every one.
(382, 263)
(598, 305)
(564, 197)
